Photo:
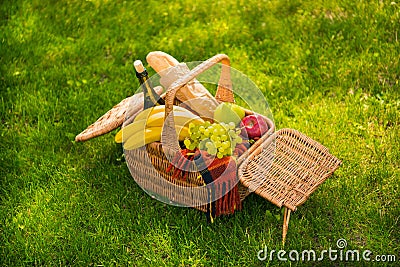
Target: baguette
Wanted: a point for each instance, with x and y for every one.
(127, 110)
(161, 61)
(193, 95)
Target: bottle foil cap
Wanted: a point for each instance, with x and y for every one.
(139, 66)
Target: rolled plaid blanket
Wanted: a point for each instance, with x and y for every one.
(220, 175)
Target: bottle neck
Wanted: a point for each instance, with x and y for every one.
(151, 98)
(143, 76)
(148, 91)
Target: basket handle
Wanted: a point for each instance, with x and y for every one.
(224, 94)
(224, 91)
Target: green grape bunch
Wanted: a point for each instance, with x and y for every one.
(218, 139)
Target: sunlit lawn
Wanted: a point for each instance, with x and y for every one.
(329, 69)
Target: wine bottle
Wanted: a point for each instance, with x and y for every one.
(151, 98)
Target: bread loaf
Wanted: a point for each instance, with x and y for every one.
(193, 95)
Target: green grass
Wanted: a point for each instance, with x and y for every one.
(327, 68)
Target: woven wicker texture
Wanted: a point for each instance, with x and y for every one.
(154, 179)
(148, 167)
(287, 168)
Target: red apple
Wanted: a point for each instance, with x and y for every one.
(253, 126)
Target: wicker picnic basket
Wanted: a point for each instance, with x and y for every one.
(148, 164)
(284, 167)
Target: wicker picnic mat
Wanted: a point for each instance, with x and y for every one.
(287, 168)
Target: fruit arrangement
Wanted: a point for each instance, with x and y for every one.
(148, 124)
(218, 139)
(228, 133)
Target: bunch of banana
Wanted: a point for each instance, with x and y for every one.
(147, 126)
